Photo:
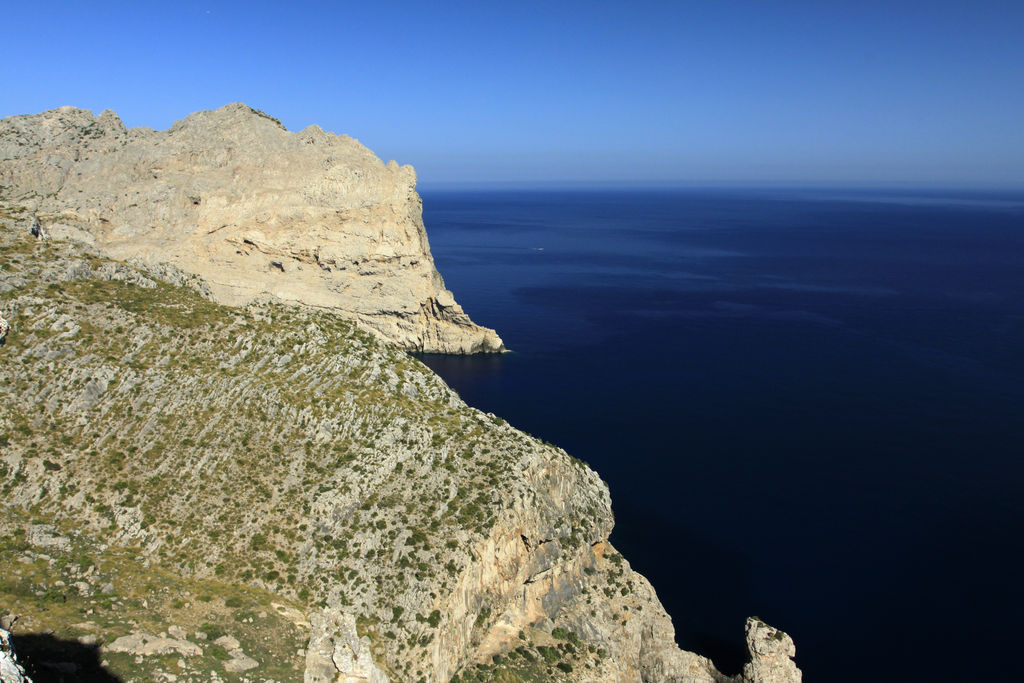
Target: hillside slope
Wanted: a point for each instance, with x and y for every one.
(177, 472)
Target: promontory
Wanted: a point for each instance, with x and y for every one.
(255, 210)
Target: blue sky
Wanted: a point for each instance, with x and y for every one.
(661, 92)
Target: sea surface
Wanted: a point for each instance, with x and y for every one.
(808, 404)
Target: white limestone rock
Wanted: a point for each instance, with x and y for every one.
(46, 536)
(146, 645)
(336, 653)
(771, 655)
(239, 662)
(228, 642)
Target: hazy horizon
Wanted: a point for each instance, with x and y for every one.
(657, 93)
(783, 185)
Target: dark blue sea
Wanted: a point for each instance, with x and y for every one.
(808, 405)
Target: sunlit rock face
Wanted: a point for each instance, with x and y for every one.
(771, 655)
(309, 217)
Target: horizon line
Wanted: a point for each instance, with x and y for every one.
(860, 185)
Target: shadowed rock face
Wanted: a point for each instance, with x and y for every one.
(230, 195)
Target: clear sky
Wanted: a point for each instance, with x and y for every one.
(666, 92)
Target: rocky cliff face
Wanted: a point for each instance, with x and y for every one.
(309, 217)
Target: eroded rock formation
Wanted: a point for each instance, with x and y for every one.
(310, 217)
(771, 655)
(337, 653)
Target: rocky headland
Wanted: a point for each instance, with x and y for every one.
(273, 490)
(256, 211)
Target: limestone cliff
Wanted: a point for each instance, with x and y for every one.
(310, 217)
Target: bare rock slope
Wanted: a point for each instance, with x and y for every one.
(230, 195)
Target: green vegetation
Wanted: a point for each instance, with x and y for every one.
(78, 592)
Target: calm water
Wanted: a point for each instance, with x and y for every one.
(808, 405)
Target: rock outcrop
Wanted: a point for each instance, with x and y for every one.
(771, 655)
(238, 661)
(337, 653)
(148, 645)
(230, 195)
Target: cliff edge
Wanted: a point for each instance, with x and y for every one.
(257, 211)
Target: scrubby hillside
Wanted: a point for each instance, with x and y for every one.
(245, 493)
